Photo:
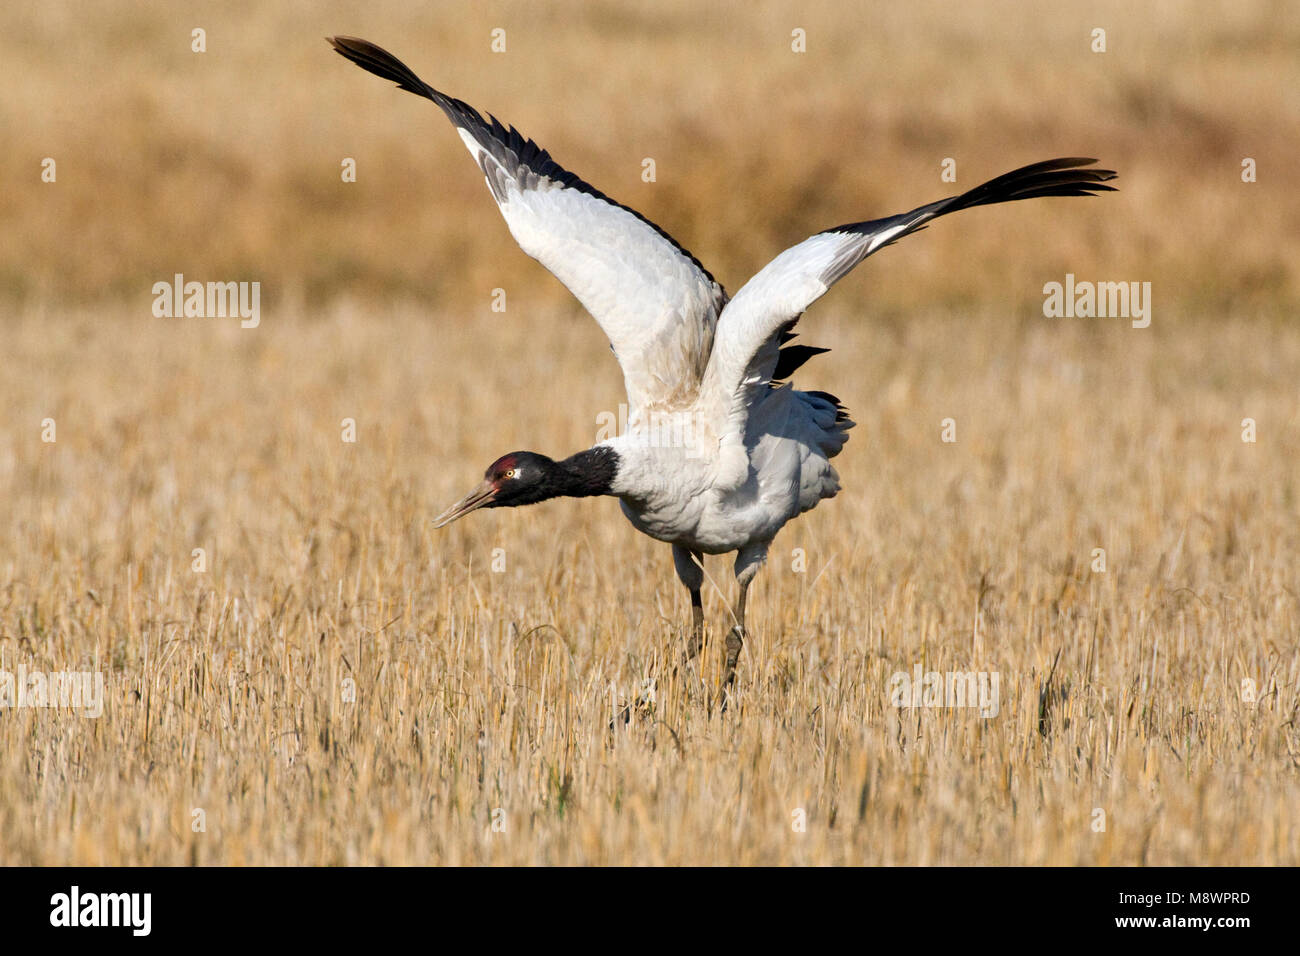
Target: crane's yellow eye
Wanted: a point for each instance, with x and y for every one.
(510, 473)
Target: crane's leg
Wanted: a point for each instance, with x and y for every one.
(735, 639)
(697, 626)
(748, 561)
(690, 569)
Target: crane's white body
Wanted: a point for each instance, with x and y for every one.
(711, 497)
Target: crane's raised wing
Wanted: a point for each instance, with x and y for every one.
(656, 304)
(760, 316)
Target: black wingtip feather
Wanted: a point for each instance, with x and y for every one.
(506, 143)
(841, 413)
(1052, 177)
(792, 357)
(377, 60)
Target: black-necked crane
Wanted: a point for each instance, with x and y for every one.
(718, 454)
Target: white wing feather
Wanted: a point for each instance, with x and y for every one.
(749, 331)
(656, 304)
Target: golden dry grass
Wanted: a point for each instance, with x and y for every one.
(478, 689)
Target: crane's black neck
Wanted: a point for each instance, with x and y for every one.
(525, 477)
(585, 474)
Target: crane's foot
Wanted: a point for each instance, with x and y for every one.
(685, 668)
(694, 645)
(735, 643)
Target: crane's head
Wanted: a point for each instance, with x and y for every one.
(519, 478)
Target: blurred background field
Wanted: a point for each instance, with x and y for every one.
(228, 162)
(479, 690)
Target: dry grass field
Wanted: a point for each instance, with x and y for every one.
(341, 684)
